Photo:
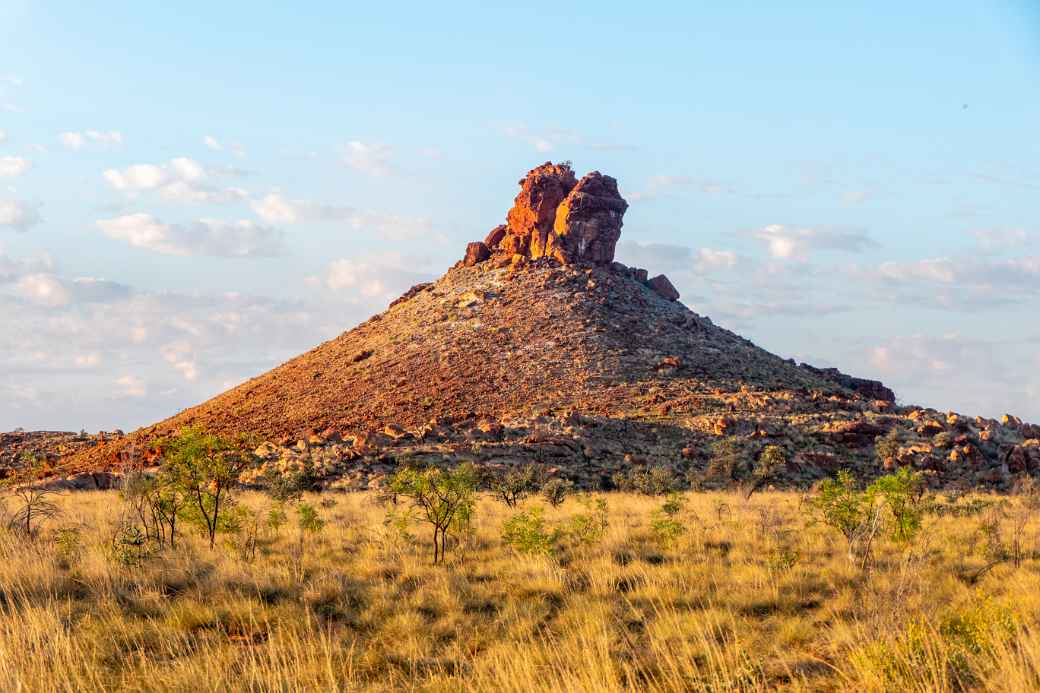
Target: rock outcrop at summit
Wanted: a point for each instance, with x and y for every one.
(557, 216)
(588, 221)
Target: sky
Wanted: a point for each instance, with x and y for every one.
(191, 194)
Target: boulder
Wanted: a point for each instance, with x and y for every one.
(556, 216)
(476, 253)
(588, 222)
(541, 192)
(662, 286)
(495, 236)
(1024, 458)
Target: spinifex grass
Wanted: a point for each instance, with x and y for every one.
(750, 596)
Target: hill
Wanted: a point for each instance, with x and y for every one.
(539, 347)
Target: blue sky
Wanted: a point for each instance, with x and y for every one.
(191, 194)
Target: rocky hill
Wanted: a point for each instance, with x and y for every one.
(539, 347)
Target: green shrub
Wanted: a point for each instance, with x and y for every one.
(772, 459)
(901, 494)
(840, 505)
(666, 524)
(587, 528)
(206, 468)
(443, 499)
(526, 532)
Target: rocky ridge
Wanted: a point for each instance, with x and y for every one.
(539, 347)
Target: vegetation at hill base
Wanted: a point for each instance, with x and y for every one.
(183, 580)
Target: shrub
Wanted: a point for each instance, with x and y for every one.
(526, 532)
(555, 491)
(589, 527)
(206, 468)
(514, 485)
(309, 523)
(887, 446)
(443, 499)
(33, 505)
(901, 494)
(651, 481)
(728, 461)
(666, 524)
(772, 459)
(843, 507)
(68, 544)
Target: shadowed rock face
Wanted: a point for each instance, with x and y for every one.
(588, 222)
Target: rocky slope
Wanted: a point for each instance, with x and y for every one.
(538, 347)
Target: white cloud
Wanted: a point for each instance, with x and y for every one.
(655, 257)
(710, 260)
(276, 208)
(954, 371)
(181, 356)
(43, 289)
(90, 360)
(180, 180)
(546, 140)
(788, 243)
(20, 216)
(13, 166)
(1001, 239)
(1020, 272)
(11, 268)
(131, 386)
(78, 140)
(215, 145)
(658, 186)
(368, 157)
(243, 238)
(3, 136)
(375, 278)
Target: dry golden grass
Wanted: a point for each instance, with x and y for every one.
(751, 597)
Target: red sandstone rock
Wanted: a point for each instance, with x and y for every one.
(661, 285)
(541, 192)
(495, 236)
(476, 253)
(588, 221)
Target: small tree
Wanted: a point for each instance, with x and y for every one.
(556, 490)
(33, 504)
(309, 523)
(887, 446)
(841, 506)
(444, 499)
(769, 462)
(206, 468)
(901, 493)
(154, 503)
(589, 527)
(516, 484)
(666, 525)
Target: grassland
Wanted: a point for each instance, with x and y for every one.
(751, 596)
